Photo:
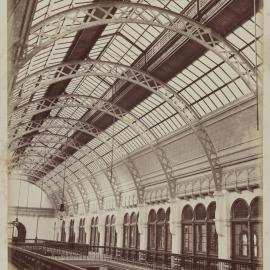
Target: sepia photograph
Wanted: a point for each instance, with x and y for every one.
(134, 135)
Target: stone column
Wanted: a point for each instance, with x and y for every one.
(143, 230)
(142, 226)
(101, 229)
(223, 224)
(76, 228)
(87, 228)
(175, 226)
(67, 228)
(58, 230)
(120, 213)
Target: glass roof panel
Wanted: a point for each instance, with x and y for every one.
(206, 85)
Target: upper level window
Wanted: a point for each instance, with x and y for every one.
(126, 230)
(130, 231)
(159, 236)
(152, 229)
(198, 230)
(63, 231)
(110, 233)
(187, 229)
(134, 232)
(94, 234)
(243, 243)
(71, 232)
(246, 229)
(82, 233)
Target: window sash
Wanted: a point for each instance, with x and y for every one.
(187, 238)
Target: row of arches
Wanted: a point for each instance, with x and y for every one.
(246, 229)
(131, 234)
(159, 236)
(198, 230)
(110, 234)
(94, 233)
(82, 232)
(71, 239)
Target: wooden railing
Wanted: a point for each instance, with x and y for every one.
(25, 259)
(143, 258)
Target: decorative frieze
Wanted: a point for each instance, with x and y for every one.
(235, 179)
(157, 195)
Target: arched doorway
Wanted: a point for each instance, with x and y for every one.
(19, 232)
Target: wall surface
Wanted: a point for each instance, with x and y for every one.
(45, 226)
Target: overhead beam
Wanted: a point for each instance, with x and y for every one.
(32, 83)
(82, 44)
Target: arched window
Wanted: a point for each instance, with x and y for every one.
(159, 236)
(63, 232)
(94, 234)
(243, 243)
(82, 233)
(131, 233)
(71, 238)
(126, 230)
(110, 234)
(107, 232)
(246, 229)
(152, 230)
(134, 232)
(113, 232)
(198, 230)
(240, 229)
(97, 236)
(256, 228)
(168, 233)
(161, 232)
(187, 229)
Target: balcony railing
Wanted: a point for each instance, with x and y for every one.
(143, 258)
(25, 259)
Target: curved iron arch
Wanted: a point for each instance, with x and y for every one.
(125, 116)
(54, 165)
(91, 179)
(156, 16)
(155, 86)
(69, 191)
(75, 69)
(77, 145)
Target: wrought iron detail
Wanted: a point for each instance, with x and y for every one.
(94, 68)
(69, 142)
(91, 179)
(64, 23)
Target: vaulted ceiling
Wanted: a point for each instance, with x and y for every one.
(95, 81)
